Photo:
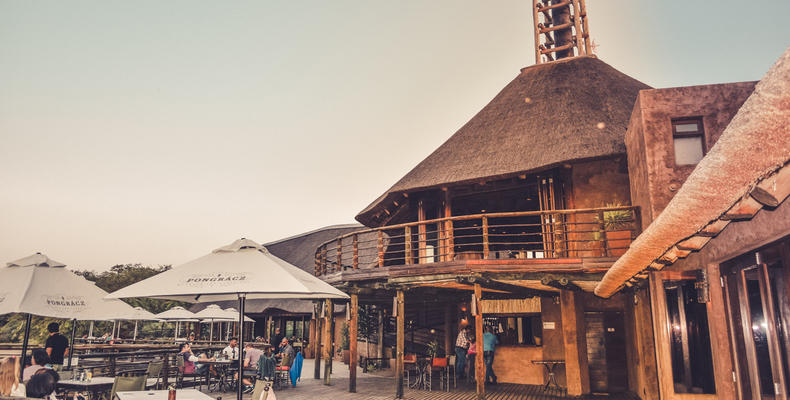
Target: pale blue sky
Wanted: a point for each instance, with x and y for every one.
(155, 131)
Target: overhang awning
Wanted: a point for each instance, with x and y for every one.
(745, 170)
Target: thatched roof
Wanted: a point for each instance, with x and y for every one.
(754, 147)
(298, 250)
(551, 113)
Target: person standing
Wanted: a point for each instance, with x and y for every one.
(57, 345)
(461, 347)
(231, 352)
(489, 346)
(278, 338)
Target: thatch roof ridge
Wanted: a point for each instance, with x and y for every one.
(549, 114)
(325, 228)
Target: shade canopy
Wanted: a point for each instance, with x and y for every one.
(215, 313)
(243, 267)
(138, 314)
(41, 286)
(177, 313)
(235, 313)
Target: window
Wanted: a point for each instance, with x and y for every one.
(524, 329)
(689, 140)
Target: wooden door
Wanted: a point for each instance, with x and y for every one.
(758, 310)
(606, 352)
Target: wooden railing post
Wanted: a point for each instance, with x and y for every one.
(165, 368)
(339, 255)
(381, 248)
(450, 241)
(485, 237)
(355, 258)
(602, 233)
(407, 246)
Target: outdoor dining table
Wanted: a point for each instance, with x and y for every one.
(181, 394)
(96, 386)
(551, 379)
(221, 367)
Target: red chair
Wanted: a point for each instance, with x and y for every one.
(409, 364)
(440, 365)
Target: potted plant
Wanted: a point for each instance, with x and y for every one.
(616, 225)
(344, 343)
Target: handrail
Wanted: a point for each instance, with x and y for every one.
(565, 233)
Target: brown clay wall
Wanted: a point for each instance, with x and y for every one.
(716, 104)
(637, 164)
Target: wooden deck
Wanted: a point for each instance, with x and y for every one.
(370, 387)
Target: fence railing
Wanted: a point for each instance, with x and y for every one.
(590, 232)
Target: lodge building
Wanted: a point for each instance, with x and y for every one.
(537, 218)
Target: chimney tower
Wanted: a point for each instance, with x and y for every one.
(561, 29)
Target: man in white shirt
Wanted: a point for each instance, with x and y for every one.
(232, 351)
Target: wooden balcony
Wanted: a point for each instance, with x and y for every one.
(527, 237)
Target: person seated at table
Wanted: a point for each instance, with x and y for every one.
(266, 365)
(39, 360)
(251, 358)
(191, 338)
(232, 350)
(191, 362)
(42, 384)
(286, 353)
(9, 378)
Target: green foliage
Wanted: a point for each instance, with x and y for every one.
(12, 326)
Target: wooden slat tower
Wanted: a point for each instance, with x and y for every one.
(561, 29)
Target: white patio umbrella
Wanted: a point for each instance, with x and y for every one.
(176, 314)
(137, 314)
(239, 271)
(211, 314)
(232, 311)
(38, 285)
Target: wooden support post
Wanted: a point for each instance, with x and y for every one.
(380, 334)
(485, 237)
(577, 374)
(577, 26)
(355, 259)
(352, 343)
(421, 237)
(448, 228)
(400, 336)
(585, 27)
(480, 372)
(317, 343)
(407, 245)
(165, 369)
(328, 341)
(448, 327)
(380, 246)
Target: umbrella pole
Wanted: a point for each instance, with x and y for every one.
(211, 331)
(90, 330)
(134, 338)
(71, 350)
(239, 386)
(24, 341)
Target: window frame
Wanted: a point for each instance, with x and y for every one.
(700, 132)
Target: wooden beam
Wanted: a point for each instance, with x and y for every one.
(506, 287)
(743, 209)
(479, 364)
(773, 190)
(713, 228)
(535, 19)
(329, 315)
(693, 243)
(317, 342)
(400, 333)
(577, 373)
(352, 343)
(380, 248)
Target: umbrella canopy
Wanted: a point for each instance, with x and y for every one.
(213, 312)
(138, 314)
(242, 267)
(177, 313)
(235, 313)
(41, 286)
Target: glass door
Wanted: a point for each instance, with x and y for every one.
(756, 287)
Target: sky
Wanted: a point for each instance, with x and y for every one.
(155, 131)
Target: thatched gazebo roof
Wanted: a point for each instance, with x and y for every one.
(572, 109)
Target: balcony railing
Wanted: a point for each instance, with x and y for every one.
(591, 232)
